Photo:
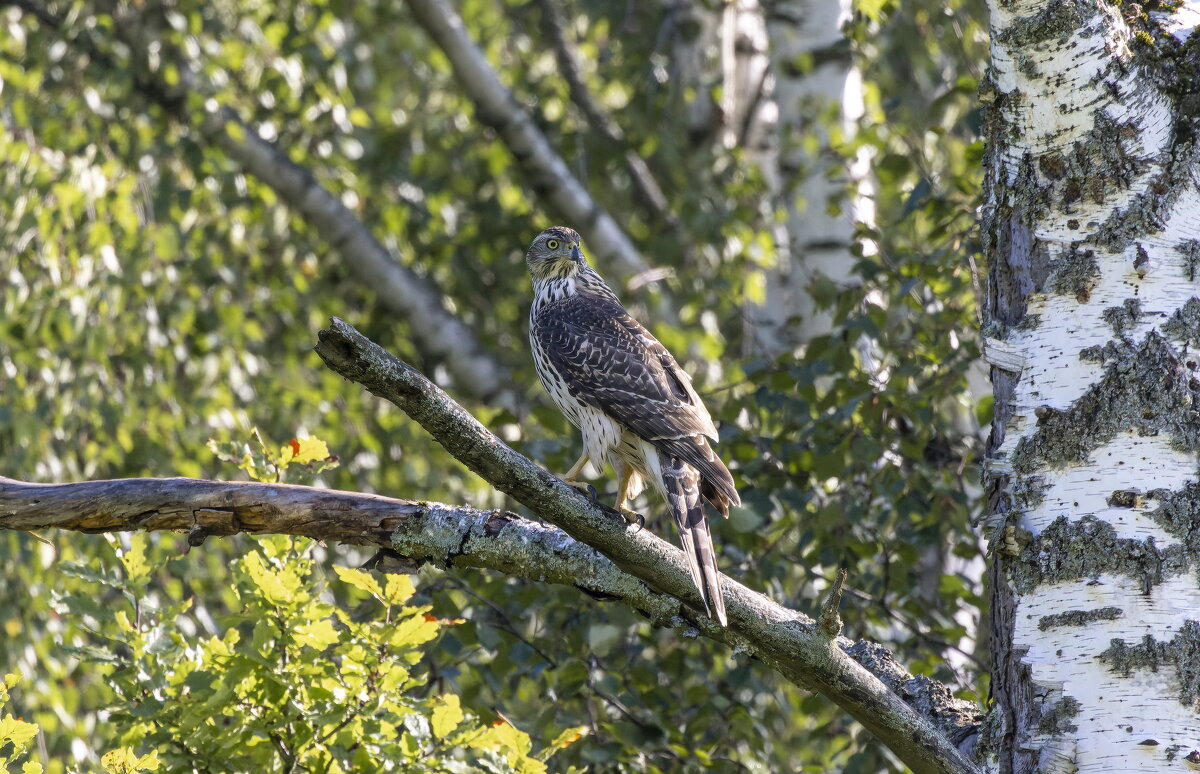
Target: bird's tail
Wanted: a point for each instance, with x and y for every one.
(681, 485)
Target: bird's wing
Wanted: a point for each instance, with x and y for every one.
(611, 362)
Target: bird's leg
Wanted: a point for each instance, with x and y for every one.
(623, 499)
(571, 475)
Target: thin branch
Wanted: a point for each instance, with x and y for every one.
(599, 120)
(496, 107)
(789, 641)
(437, 333)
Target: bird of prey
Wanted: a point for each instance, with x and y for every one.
(635, 406)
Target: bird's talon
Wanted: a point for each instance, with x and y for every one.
(633, 517)
(583, 488)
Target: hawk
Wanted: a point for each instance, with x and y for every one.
(634, 405)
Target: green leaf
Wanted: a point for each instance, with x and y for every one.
(360, 579)
(447, 714)
(316, 634)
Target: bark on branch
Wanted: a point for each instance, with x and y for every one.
(789, 641)
(447, 536)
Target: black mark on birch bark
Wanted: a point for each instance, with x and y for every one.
(1182, 653)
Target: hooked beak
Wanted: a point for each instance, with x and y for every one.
(576, 256)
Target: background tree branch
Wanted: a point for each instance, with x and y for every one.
(790, 641)
(437, 333)
(599, 120)
(447, 536)
(497, 108)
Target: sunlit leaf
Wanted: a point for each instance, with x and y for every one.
(447, 714)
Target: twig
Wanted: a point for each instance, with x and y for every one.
(568, 66)
(496, 107)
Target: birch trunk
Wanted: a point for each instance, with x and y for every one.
(816, 241)
(1092, 227)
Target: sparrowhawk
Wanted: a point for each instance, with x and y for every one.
(635, 406)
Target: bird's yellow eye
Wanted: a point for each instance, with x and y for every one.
(552, 244)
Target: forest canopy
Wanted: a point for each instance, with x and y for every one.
(190, 191)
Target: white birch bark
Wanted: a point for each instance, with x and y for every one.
(1091, 225)
(814, 241)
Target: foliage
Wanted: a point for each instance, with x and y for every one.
(287, 681)
(154, 296)
(15, 734)
(261, 462)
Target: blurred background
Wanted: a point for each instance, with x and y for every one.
(185, 188)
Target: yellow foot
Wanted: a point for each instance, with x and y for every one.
(582, 487)
(633, 517)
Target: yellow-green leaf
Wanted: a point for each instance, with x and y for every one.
(124, 760)
(277, 586)
(410, 746)
(510, 737)
(447, 714)
(18, 732)
(137, 569)
(413, 631)
(513, 743)
(303, 451)
(399, 589)
(31, 767)
(567, 738)
(123, 622)
(317, 634)
(392, 676)
(360, 579)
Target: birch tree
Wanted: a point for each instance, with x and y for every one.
(817, 94)
(1093, 238)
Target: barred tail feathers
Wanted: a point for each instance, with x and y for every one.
(681, 486)
(715, 480)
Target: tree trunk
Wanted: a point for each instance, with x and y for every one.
(813, 73)
(1091, 226)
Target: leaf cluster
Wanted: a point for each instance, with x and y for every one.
(287, 680)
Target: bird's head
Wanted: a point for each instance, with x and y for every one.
(555, 254)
